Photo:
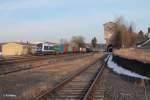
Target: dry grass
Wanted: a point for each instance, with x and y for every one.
(135, 54)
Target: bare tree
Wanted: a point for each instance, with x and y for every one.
(94, 42)
(140, 36)
(130, 37)
(63, 41)
(124, 36)
(117, 38)
(78, 41)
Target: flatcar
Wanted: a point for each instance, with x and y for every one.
(45, 48)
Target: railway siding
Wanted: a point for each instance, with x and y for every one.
(29, 63)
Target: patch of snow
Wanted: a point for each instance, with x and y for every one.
(9, 95)
(139, 46)
(119, 70)
(146, 42)
(106, 58)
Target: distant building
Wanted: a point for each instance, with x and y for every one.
(148, 34)
(17, 48)
(109, 29)
(144, 45)
(1, 48)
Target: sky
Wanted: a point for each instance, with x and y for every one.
(52, 20)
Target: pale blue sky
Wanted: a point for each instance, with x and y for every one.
(51, 20)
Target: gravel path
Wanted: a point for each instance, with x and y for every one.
(126, 88)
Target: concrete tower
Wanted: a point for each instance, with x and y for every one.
(109, 29)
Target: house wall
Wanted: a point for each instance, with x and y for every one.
(148, 35)
(11, 49)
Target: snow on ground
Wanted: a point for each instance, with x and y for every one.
(120, 70)
(10, 95)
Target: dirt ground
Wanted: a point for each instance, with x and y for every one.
(25, 85)
(134, 54)
(7, 68)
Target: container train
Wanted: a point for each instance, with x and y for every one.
(48, 48)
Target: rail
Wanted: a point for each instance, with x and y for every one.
(88, 91)
(89, 94)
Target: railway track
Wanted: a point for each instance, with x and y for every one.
(20, 59)
(79, 86)
(52, 59)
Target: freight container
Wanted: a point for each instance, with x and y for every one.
(84, 50)
(70, 49)
(75, 50)
(80, 50)
(61, 48)
(66, 48)
(57, 49)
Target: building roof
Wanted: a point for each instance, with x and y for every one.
(21, 43)
(1, 44)
(109, 23)
(50, 43)
(145, 44)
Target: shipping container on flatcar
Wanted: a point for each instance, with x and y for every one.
(57, 49)
(61, 48)
(66, 48)
(75, 50)
(81, 50)
(70, 49)
(84, 50)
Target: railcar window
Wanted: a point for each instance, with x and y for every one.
(48, 48)
(45, 47)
